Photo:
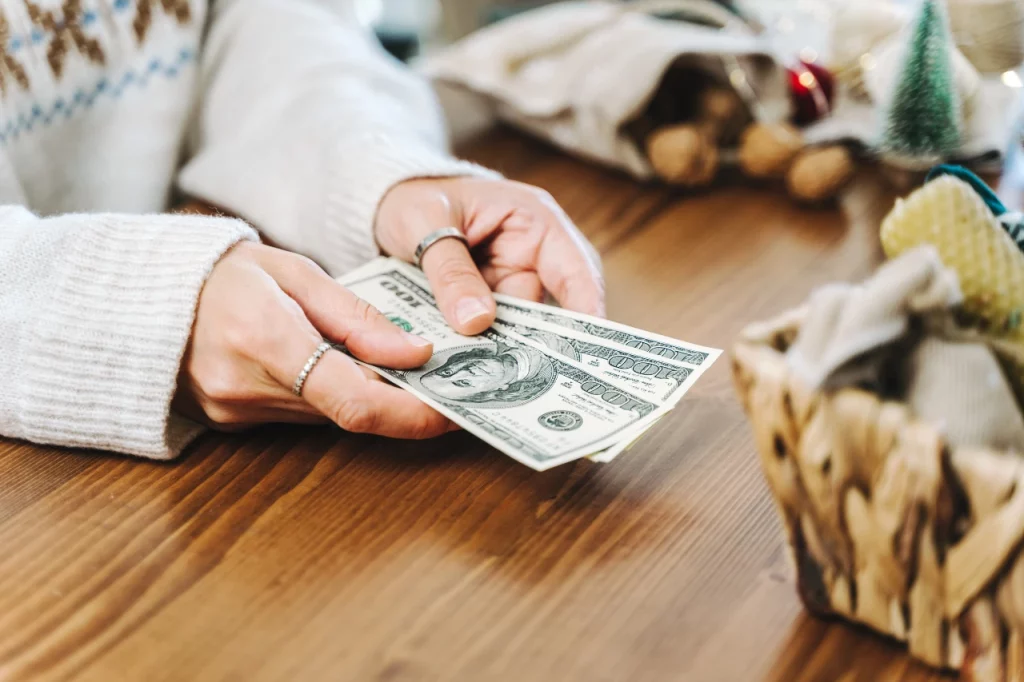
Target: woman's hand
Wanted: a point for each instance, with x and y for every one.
(522, 244)
(261, 315)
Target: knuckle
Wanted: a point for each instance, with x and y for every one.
(305, 265)
(238, 337)
(221, 417)
(303, 274)
(243, 250)
(219, 383)
(543, 197)
(425, 427)
(456, 271)
(355, 416)
(364, 312)
(218, 387)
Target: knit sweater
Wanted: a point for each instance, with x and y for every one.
(283, 112)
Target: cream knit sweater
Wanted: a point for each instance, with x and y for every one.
(281, 111)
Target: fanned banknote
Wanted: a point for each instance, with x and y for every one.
(543, 392)
(650, 376)
(514, 309)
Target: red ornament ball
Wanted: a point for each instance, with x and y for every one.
(812, 89)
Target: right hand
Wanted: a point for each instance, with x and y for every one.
(261, 315)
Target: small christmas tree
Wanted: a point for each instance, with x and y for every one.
(924, 120)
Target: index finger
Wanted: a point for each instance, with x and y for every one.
(347, 394)
(359, 401)
(568, 266)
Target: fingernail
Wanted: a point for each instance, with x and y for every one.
(417, 341)
(469, 309)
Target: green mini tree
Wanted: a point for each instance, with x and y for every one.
(924, 119)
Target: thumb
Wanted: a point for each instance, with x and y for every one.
(461, 292)
(414, 210)
(343, 317)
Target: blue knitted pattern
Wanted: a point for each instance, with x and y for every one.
(41, 115)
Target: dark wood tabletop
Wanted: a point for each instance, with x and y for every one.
(311, 554)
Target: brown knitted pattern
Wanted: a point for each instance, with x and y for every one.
(10, 68)
(66, 35)
(179, 9)
(65, 29)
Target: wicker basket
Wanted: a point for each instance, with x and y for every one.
(888, 526)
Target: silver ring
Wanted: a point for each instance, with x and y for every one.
(300, 380)
(433, 238)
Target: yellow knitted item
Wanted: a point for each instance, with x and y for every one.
(950, 215)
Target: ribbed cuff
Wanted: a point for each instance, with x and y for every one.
(356, 189)
(101, 361)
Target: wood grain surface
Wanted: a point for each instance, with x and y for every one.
(311, 554)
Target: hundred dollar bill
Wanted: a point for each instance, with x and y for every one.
(566, 326)
(517, 310)
(645, 375)
(534, 406)
(648, 376)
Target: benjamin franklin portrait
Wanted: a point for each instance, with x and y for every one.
(556, 344)
(496, 377)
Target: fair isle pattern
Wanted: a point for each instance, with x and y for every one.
(179, 9)
(10, 68)
(89, 16)
(63, 35)
(65, 28)
(84, 98)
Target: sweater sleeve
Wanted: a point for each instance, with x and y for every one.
(95, 314)
(304, 124)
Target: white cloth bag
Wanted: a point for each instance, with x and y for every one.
(575, 73)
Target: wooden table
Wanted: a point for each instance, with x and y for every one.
(310, 554)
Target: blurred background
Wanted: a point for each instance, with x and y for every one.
(411, 25)
(829, 48)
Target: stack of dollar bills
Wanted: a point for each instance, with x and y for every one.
(544, 385)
